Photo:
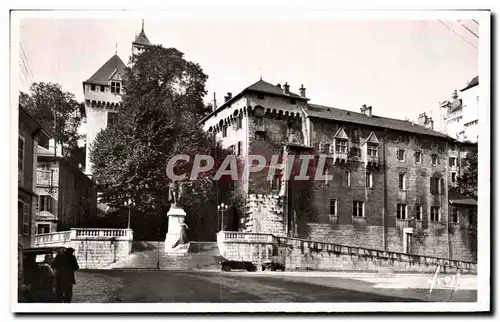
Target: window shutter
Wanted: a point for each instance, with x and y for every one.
(432, 186)
(442, 185)
(332, 147)
(26, 219)
(449, 162)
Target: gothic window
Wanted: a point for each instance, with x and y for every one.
(357, 208)
(355, 135)
(401, 211)
(112, 116)
(435, 214)
(372, 149)
(401, 155)
(333, 207)
(340, 145)
(369, 180)
(115, 87)
(402, 183)
(418, 212)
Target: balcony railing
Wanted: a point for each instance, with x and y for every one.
(78, 233)
(231, 236)
(339, 156)
(53, 238)
(372, 160)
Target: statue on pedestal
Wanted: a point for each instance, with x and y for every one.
(174, 193)
(177, 229)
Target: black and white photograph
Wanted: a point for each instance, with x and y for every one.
(250, 160)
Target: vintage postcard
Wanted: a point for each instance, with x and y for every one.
(250, 160)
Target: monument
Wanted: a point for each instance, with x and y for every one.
(176, 242)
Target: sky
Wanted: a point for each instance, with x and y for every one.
(400, 67)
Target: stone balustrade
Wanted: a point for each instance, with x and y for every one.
(94, 248)
(307, 254)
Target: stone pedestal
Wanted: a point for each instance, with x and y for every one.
(176, 217)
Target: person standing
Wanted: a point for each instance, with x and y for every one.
(47, 279)
(65, 265)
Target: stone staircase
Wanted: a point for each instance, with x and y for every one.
(151, 255)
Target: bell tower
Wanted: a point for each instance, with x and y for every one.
(140, 43)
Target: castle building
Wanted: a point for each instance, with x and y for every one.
(460, 114)
(384, 184)
(103, 94)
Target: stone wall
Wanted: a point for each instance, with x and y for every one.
(94, 248)
(264, 214)
(299, 254)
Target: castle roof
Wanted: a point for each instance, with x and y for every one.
(472, 83)
(103, 74)
(141, 39)
(267, 88)
(331, 113)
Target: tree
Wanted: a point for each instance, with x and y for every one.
(57, 111)
(159, 119)
(467, 183)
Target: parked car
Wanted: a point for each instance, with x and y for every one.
(228, 265)
(273, 266)
(33, 280)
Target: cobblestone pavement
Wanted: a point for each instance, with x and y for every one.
(135, 286)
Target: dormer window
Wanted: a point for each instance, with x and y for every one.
(115, 87)
(341, 145)
(372, 149)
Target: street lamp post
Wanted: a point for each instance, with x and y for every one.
(128, 203)
(222, 207)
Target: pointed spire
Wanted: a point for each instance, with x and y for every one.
(116, 48)
(142, 29)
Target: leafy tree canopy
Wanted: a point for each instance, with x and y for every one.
(159, 118)
(467, 183)
(57, 110)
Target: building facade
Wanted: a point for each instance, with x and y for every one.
(66, 196)
(387, 187)
(30, 135)
(103, 94)
(460, 114)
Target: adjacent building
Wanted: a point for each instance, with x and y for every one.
(66, 196)
(460, 114)
(31, 136)
(387, 188)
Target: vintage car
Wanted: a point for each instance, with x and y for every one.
(34, 283)
(273, 266)
(228, 265)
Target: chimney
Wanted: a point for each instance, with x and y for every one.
(430, 123)
(366, 110)
(286, 88)
(228, 97)
(422, 119)
(302, 91)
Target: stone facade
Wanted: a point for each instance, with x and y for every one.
(388, 186)
(67, 197)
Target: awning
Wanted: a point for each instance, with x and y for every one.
(469, 202)
(45, 216)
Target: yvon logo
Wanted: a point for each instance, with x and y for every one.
(448, 282)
